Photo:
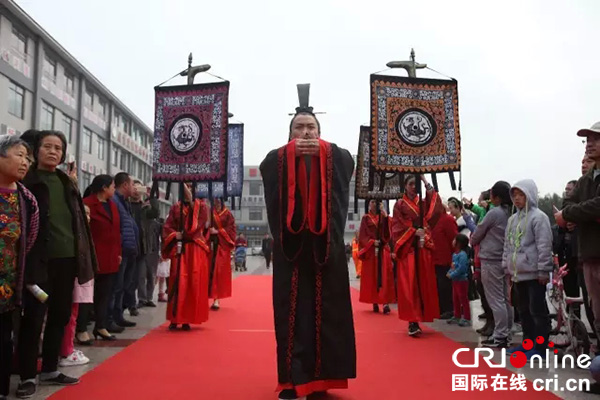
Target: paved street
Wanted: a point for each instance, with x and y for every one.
(151, 318)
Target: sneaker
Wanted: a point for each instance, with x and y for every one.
(486, 330)
(446, 315)
(515, 349)
(290, 394)
(495, 343)
(60, 380)
(534, 352)
(75, 358)
(26, 390)
(124, 324)
(452, 321)
(464, 322)
(414, 329)
(517, 328)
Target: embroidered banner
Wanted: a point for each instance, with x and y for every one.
(367, 180)
(415, 124)
(235, 167)
(190, 133)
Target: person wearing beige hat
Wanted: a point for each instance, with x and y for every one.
(582, 207)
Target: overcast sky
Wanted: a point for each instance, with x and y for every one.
(527, 71)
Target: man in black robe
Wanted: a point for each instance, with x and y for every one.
(306, 189)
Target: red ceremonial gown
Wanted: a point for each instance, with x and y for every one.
(370, 292)
(188, 301)
(225, 224)
(417, 286)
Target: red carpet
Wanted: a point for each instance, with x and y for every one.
(233, 357)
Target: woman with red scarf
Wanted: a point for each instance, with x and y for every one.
(377, 279)
(417, 287)
(223, 233)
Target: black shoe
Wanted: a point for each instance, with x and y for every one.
(172, 327)
(414, 329)
(150, 303)
(482, 316)
(386, 309)
(447, 315)
(186, 327)
(141, 304)
(109, 338)
(26, 390)
(487, 330)
(134, 312)
(114, 328)
(495, 343)
(125, 324)
(288, 394)
(61, 380)
(375, 307)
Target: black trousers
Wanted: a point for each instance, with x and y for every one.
(6, 350)
(444, 286)
(103, 287)
(83, 316)
(531, 296)
(487, 310)
(61, 279)
(589, 313)
(268, 259)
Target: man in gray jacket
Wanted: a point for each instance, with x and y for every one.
(527, 258)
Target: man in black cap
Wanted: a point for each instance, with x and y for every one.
(306, 192)
(582, 207)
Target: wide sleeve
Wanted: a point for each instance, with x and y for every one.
(170, 229)
(366, 236)
(585, 211)
(227, 232)
(402, 230)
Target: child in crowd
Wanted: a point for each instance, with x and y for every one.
(459, 273)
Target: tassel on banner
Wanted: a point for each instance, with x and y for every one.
(154, 193)
(168, 192)
(434, 181)
(452, 181)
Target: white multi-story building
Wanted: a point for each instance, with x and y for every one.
(42, 86)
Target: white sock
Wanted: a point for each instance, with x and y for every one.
(49, 375)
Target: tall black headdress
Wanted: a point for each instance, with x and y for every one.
(303, 97)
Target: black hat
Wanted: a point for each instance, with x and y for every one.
(303, 96)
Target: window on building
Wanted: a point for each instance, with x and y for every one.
(133, 170)
(86, 179)
(16, 99)
(115, 156)
(19, 43)
(255, 188)
(256, 214)
(70, 84)
(47, 117)
(86, 144)
(124, 161)
(67, 127)
(124, 125)
(350, 216)
(89, 100)
(50, 69)
(101, 148)
(102, 110)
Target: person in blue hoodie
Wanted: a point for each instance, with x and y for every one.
(527, 258)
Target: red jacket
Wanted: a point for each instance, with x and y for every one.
(443, 233)
(106, 234)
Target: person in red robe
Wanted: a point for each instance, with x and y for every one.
(377, 279)
(223, 230)
(417, 287)
(188, 280)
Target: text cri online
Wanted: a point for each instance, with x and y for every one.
(553, 384)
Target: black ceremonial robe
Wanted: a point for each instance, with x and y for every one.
(307, 205)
